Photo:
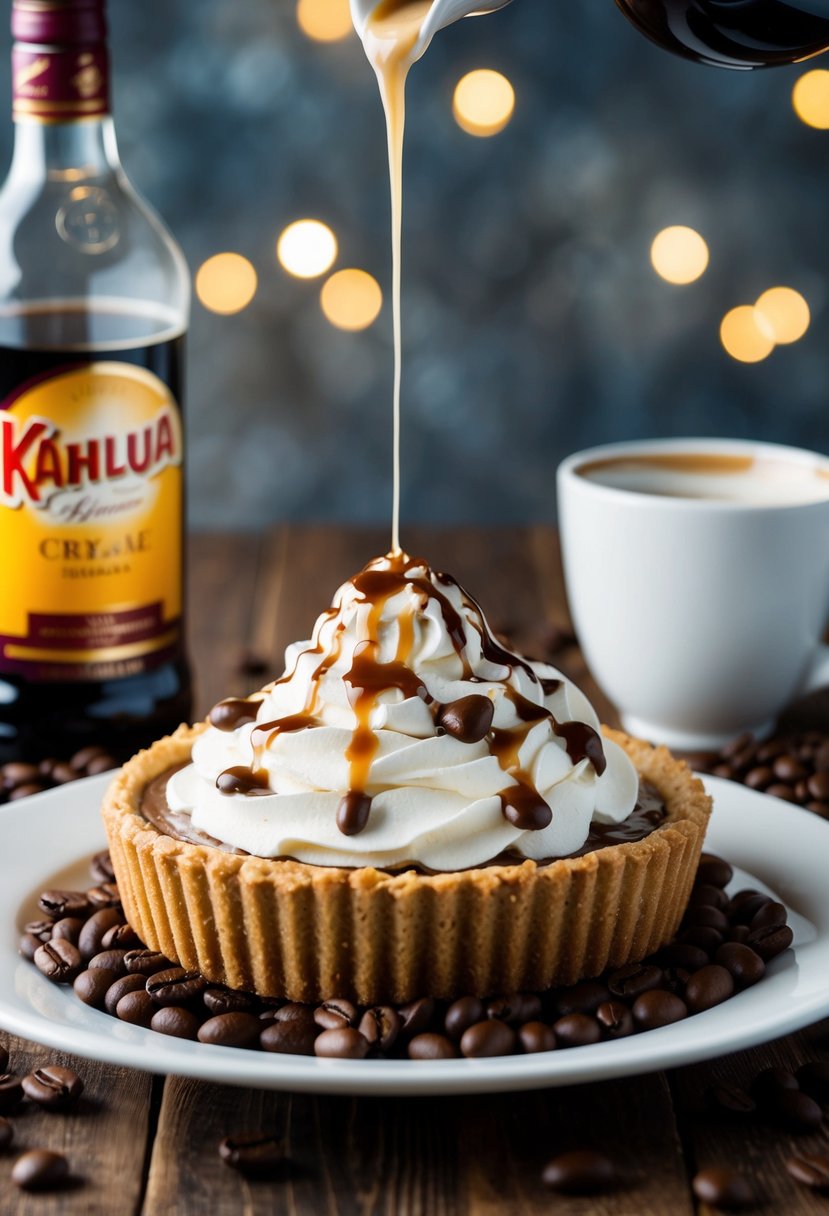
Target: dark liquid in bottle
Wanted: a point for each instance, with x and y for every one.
(121, 703)
(734, 33)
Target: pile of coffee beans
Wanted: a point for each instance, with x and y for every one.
(18, 779)
(722, 947)
(52, 1087)
(793, 767)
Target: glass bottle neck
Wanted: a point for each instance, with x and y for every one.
(65, 151)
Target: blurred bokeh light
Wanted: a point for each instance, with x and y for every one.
(679, 255)
(226, 283)
(351, 299)
(810, 98)
(324, 20)
(483, 102)
(746, 335)
(786, 312)
(307, 249)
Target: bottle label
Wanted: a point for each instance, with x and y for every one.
(60, 84)
(91, 501)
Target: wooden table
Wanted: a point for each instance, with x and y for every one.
(147, 1145)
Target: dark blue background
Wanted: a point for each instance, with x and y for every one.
(534, 323)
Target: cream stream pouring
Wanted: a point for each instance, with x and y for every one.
(439, 13)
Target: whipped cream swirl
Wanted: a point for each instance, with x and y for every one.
(404, 733)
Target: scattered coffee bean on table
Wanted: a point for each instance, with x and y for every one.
(19, 779)
(725, 1189)
(254, 1153)
(811, 1169)
(53, 1087)
(580, 1172)
(40, 1170)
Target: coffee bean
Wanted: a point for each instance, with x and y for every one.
(515, 1009)
(681, 954)
(818, 785)
(417, 1016)
(581, 1172)
(100, 868)
(26, 791)
(706, 895)
(334, 1014)
(119, 988)
(40, 1170)
(120, 937)
(294, 1012)
(428, 1046)
(822, 757)
(380, 1027)
(231, 1030)
(105, 895)
(784, 792)
(730, 1099)
(699, 935)
(810, 1169)
(469, 719)
(767, 1084)
(137, 1008)
(4, 1057)
(18, 772)
(225, 1000)
(28, 946)
(68, 929)
(615, 1020)
(111, 960)
(59, 961)
(92, 934)
(462, 1014)
(256, 1154)
(534, 1037)
(812, 1078)
(771, 915)
(53, 1087)
(58, 904)
(759, 778)
(706, 917)
(795, 1111)
(737, 933)
(41, 929)
(723, 1188)
(633, 980)
(146, 962)
(576, 1030)
(788, 769)
(658, 1008)
(175, 1021)
(81, 759)
(91, 987)
(738, 744)
(745, 965)
(294, 1038)
(175, 986)
(708, 987)
(6, 1133)
(582, 998)
(745, 905)
(714, 871)
(771, 941)
(343, 1043)
(11, 1092)
(490, 1038)
(62, 773)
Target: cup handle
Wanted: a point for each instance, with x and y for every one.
(818, 674)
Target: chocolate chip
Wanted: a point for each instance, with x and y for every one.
(231, 1030)
(657, 1008)
(633, 980)
(525, 809)
(580, 1172)
(810, 1169)
(730, 1099)
(137, 1008)
(40, 1170)
(582, 998)
(429, 1046)
(723, 1188)
(462, 1014)
(708, 987)
(344, 1043)
(255, 1154)
(11, 1092)
(468, 719)
(232, 713)
(53, 1087)
(714, 871)
(534, 1037)
(813, 1079)
(175, 1021)
(490, 1038)
(146, 962)
(334, 1014)
(615, 1020)
(6, 1133)
(353, 813)
(58, 904)
(175, 986)
(380, 1027)
(771, 941)
(225, 1000)
(577, 1030)
(293, 1038)
(91, 987)
(119, 988)
(92, 934)
(59, 961)
(744, 964)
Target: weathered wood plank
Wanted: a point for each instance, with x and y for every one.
(104, 1138)
(417, 1157)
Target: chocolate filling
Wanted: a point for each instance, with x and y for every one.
(648, 815)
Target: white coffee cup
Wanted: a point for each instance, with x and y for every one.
(699, 597)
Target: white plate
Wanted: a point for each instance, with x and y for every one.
(47, 841)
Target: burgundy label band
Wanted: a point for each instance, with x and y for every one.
(60, 84)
